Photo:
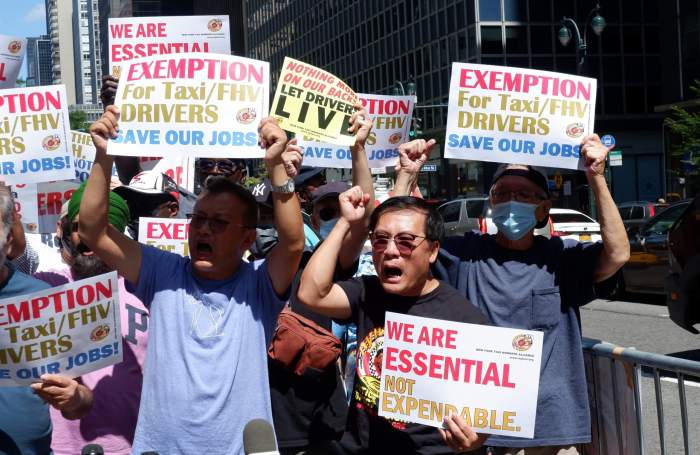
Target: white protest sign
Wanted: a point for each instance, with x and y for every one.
(34, 135)
(180, 169)
(391, 116)
(69, 330)
(137, 37)
(516, 115)
(487, 375)
(40, 203)
(169, 234)
(12, 50)
(204, 105)
(84, 155)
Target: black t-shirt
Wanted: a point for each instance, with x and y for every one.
(367, 432)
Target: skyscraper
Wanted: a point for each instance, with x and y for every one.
(60, 28)
(39, 71)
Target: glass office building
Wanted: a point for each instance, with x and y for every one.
(373, 43)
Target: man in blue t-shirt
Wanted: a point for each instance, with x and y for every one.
(25, 425)
(212, 314)
(525, 281)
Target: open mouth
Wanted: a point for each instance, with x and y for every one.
(391, 274)
(204, 248)
(83, 249)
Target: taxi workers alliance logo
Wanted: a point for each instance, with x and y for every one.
(99, 333)
(246, 115)
(215, 25)
(575, 130)
(395, 138)
(51, 143)
(15, 47)
(522, 342)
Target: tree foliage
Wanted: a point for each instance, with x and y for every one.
(78, 121)
(685, 125)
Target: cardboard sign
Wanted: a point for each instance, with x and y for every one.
(84, 155)
(169, 234)
(40, 204)
(195, 104)
(487, 375)
(12, 50)
(69, 330)
(315, 103)
(34, 135)
(516, 115)
(137, 37)
(180, 169)
(391, 116)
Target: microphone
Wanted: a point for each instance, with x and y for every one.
(259, 438)
(92, 449)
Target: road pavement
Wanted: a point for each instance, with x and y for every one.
(642, 322)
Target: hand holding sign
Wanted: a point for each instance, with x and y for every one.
(352, 204)
(361, 125)
(595, 153)
(459, 436)
(105, 128)
(64, 394)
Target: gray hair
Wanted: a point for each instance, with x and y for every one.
(7, 210)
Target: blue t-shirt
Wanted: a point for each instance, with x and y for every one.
(538, 289)
(25, 425)
(206, 364)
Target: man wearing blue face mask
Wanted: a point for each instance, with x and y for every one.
(325, 207)
(522, 280)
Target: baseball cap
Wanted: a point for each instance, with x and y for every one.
(305, 174)
(328, 190)
(149, 183)
(262, 192)
(535, 174)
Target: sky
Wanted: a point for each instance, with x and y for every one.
(24, 18)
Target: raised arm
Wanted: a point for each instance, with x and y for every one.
(283, 261)
(361, 125)
(69, 396)
(616, 246)
(316, 289)
(113, 247)
(412, 156)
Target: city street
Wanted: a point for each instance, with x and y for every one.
(642, 322)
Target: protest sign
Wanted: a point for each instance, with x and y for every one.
(487, 375)
(180, 169)
(169, 234)
(34, 135)
(205, 105)
(40, 204)
(516, 115)
(12, 50)
(137, 37)
(313, 102)
(69, 330)
(84, 155)
(391, 116)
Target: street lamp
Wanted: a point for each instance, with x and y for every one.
(597, 23)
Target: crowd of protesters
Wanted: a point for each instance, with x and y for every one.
(201, 351)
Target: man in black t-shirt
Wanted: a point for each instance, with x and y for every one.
(405, 235)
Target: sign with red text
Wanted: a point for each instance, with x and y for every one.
(69, 330)
(313, 102)
(12, 50)
(169, 234)
(39, 204)
(180, 169)
(34, 135)
(204, 105)
(84, 155)
(517, 115)
(391, 118)
(137, 37)
(487, 375)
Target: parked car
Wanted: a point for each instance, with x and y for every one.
(474, 214)
(683, 281)
(636, 213)
(570, 224)
(649, 255)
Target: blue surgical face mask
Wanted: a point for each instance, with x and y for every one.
(325, 227)
(514, 219)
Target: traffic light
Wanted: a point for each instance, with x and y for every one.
(416, 128)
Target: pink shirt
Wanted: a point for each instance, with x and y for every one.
(117, 389)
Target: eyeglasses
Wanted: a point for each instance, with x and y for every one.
(216, 225)
(519, 196)
(224, 166)
(404, 241)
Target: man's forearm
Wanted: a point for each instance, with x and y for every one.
(287, 211)
(616, 248)
(96, 197)
(405, 182)
(317, 279)
(362, 176)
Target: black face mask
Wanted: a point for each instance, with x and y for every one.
(265, 240)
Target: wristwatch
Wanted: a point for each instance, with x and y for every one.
(287, 188)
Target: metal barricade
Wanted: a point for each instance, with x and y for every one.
(614, 377)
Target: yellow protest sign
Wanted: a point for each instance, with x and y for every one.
(314, 102)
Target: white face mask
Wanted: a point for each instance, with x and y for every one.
(325, 227)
